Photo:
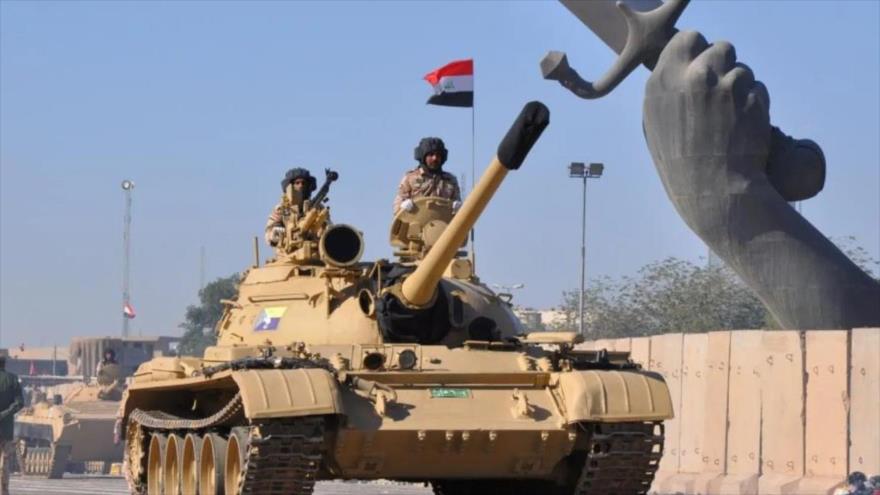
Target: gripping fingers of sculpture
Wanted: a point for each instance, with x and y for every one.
(700, 102)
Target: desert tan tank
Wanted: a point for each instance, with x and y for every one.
(75, 435)
(327, 367)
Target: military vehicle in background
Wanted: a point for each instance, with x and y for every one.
(73, 435)
(69, 427)
(327, 367)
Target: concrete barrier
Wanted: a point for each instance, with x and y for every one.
(666, 359)
(713, 452)
(864, 412)
(765, 412)
(640, 350)
(691, 419)
(825, 428)
(782, 413)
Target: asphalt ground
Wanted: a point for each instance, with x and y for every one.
(114, 485)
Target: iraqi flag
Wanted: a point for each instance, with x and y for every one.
(128, 311)
(453, 84)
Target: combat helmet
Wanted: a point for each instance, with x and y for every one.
(430, 145)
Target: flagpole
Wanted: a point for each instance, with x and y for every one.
(473, 250)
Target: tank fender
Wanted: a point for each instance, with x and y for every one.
(609, 396)
(166, 368)
(288, 392)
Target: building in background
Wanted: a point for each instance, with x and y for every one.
(27, 361)
(86, 352)
(540, 320)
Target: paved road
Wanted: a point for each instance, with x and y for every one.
(111, 485)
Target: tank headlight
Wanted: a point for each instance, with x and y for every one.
(407, 359)
(374, 361)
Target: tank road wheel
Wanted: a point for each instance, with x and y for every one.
(45, 460)
(189, 472)
(212, 462)
(173, 458)
(135, 458)
(236, 455)
(34, 461)
(155, 464)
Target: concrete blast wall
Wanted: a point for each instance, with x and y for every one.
(765, 412)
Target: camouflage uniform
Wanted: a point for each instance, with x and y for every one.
(11, 400)
(418, 183)
(275, 220)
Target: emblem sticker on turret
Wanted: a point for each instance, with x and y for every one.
(269, 318)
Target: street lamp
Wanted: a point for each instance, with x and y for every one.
(128, 187)
(580, 170)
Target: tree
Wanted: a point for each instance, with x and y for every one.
(671, 295)
(858, 255)
(201, 320)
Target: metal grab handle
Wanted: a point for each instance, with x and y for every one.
(647, 34)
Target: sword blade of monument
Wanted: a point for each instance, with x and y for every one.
(604, 18)
(637, 30)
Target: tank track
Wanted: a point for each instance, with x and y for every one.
(621, 459)
(280, 456)
(283, 458)
(47, 461)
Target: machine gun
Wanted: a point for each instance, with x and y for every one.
(321, 197)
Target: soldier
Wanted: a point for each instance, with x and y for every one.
(109, 358)
(428, 179)
(11, 400)
(303, 184)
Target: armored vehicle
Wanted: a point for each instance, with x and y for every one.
(75, 435)
(327, 367)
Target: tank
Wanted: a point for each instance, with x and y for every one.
(329, 367)
(73, 435)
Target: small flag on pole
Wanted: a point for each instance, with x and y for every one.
(453, 84)
(128, 311)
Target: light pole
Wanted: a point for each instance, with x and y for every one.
(128, 187)
(579, 170)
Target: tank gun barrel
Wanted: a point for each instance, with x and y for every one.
(418, 289)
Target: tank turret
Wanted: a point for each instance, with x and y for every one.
(418, 289)
(316, 290)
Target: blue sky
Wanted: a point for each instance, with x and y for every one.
(205, 105)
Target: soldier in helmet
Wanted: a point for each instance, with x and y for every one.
(109, 358)
(11, 400)
(429, 178)
(303, 186)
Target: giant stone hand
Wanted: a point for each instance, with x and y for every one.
(729, 174)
